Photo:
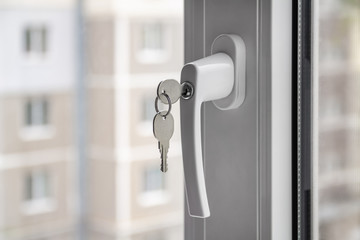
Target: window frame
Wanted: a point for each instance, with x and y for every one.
(154, 55)
(275, 126)
(152, 197)
(36, 41)
(36, 112)
(38, 204)
(40, 129)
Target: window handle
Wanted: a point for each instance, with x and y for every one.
(220, 78)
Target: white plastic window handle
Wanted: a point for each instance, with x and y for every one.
(213, 78)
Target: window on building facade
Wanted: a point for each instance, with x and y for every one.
(36, 112)
(36, 40)
(332, 106)
(147, 114)
(153, 36)
(38, 192)
(148, 110)
(153, 43)
(37, 186)
(153, 179)
(153, 190)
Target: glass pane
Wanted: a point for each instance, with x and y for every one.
(77, 156)
(339, 120)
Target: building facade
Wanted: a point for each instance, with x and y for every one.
(36, 108)
(128, 50)
(132, 46)
(339, 129)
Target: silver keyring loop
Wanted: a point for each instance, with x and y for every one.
(157, 107)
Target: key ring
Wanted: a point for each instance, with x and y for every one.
(157, 108)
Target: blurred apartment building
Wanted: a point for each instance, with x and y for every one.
(37, 76)
(339, 120)
(130, 47)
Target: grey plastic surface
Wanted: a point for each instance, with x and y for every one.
(235, 144)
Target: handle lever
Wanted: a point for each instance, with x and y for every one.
(218, 77)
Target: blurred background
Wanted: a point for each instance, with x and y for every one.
(77, 89)
(339, 119)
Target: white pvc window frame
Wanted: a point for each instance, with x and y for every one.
(281, 149)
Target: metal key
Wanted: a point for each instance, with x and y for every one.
(163, 128)
(172, 88)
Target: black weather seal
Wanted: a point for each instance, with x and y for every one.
(301, 119)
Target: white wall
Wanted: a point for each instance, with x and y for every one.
(18, 72)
